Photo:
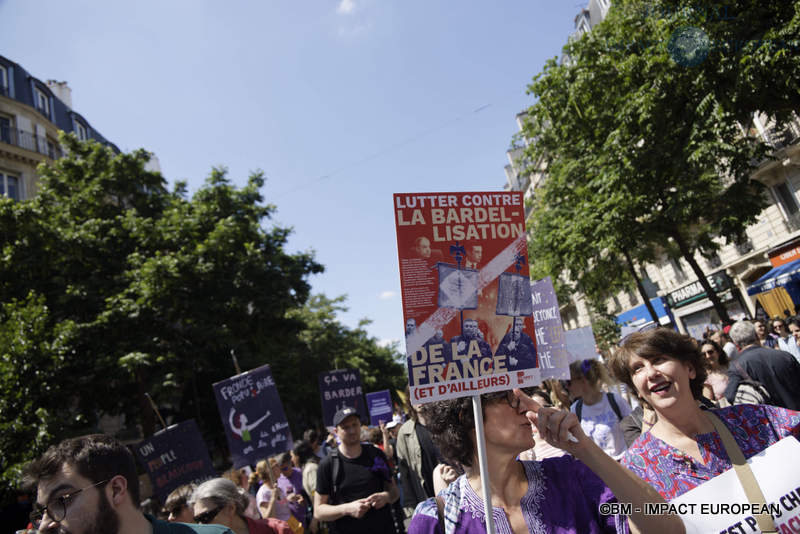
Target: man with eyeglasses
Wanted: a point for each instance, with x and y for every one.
(89, 485)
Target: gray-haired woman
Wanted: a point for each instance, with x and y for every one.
(222, 502)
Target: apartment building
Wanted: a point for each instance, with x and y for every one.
(31, 114)
(755, 277)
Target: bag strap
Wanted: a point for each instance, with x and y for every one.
(748, 481)
(336, 468)
(614, 406)
(440, 511)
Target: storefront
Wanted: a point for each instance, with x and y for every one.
(778, 290)
(694, 312)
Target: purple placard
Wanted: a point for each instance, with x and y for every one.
(338, 389)
(253, 417)
(379, 404)
(550, 342)
(174, 457)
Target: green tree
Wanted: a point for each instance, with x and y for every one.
(325, 343)
(646, 156)
(114, 286)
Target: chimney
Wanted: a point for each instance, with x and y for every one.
(62, 91)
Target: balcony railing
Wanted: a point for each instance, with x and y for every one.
(782, 137)
(30, 141)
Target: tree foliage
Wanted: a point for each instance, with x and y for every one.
(646, 155)
(114, 286)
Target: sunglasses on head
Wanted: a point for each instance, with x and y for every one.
(208, 516)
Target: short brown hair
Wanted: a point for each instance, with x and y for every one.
(659, 342)
(96, 457)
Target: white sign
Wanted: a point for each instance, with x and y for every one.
(720, 504)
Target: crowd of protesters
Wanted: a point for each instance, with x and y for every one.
(590, 439)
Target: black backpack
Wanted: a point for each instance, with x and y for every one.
(611, 400)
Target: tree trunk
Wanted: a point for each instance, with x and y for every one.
(701, 277)
(639, 286)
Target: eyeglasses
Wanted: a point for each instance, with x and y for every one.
(208, 516)
(56, 507)
(508, 396)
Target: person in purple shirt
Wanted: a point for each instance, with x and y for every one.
(561, 495)
(291, 484)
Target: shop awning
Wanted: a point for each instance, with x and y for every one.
(639, 315)
(778, 276)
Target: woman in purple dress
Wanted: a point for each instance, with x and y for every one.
(562, 495)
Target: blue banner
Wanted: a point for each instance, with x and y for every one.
(338, 389)
(253, 417)
(174, 457)
(550, 340)
(379, 404)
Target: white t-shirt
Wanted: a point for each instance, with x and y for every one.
(600, 423)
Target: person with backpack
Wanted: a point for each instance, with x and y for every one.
(776, 370)
(599, 412)
(354, 484)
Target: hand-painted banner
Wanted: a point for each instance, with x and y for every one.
(581, 344)
(379, 404)
(466, 293)
(174, 457)
(253, 417)
(550, 341)
(339, 389)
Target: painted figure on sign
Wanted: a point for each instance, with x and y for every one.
(239, 424)
(518, 346)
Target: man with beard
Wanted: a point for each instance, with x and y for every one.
(88, 485)
(518, 346)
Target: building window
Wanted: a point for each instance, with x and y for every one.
(3, 81)
(9, 186)
(680, 274)
(714, 261)
(5, 129)
(80, 131)
(42, 102)
(786, 198)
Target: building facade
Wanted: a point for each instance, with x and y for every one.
(732, 271)
(31, 114)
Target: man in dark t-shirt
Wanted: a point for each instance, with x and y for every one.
(354, 484)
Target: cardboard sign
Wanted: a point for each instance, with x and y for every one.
(466, 293)
(253, 417)
(720, 504)
(379, 404)
(338, 389)
(580, 344)
(550, 339)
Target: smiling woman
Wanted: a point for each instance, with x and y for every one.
(554, 495)
(683, 449)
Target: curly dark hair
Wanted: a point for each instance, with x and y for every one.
(659, 342)
(452, 425)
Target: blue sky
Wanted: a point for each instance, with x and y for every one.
(341, 103)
